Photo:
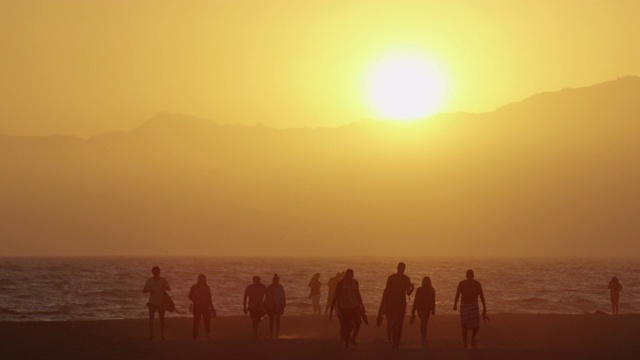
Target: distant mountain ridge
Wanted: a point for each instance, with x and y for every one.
(554, 174)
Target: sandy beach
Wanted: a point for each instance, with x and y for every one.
(507, 336)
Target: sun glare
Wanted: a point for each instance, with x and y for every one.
(405, 87)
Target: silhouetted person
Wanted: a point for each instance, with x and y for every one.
(255, 293)
(200, 296)
(382, 311)
(275, 301)
(315, 286)
(332, 283)
(398, 287)
(349, 304)
(425, 304)
(470, 290)
(156, 287)
(615, 287)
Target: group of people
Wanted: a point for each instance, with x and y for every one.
(344, 298)
(159, 302)
(347, 302)
(269, 300)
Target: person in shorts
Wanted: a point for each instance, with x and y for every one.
(156, 286)
(255, 294)
(468, 292)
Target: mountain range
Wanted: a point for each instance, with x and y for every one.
(556, 174)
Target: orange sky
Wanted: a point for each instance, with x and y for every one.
(87, 67)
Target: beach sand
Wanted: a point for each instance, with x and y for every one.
(507, 336)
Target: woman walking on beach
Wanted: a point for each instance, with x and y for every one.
(275, 302)
(425, 304)
(315, 286)
(200, 296)
(615, 287)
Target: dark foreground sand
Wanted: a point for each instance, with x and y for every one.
(507, 336)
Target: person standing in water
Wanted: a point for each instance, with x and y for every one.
(615, 287)
(470, 290)
(156, 287)
(255, 293)
(274, 303)
(425, 304)
(315, 286)
(349, 303)
(200, 296)
(398, 287)
(332, 283)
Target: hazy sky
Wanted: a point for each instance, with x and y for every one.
(87, 67)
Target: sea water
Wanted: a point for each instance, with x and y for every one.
(88, 288)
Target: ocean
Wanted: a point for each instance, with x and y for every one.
(94, 288)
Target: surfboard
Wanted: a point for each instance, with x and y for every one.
(167, 302)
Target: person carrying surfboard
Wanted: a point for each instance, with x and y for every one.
(157, 287)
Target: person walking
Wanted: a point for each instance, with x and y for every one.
(157, 287)
(202, 305)
(468, 292)
(348, 302)
(274, 303)
(398, 287)
(425, 304)
(255, 294)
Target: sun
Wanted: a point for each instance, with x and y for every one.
(405, 87)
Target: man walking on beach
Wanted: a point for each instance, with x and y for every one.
(156, 287)
(255, 293)
(470, 290)
(398, 287)
(349, 302)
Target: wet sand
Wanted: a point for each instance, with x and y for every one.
(507, 336)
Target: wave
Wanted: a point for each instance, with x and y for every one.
(114, 293)
(8, 312)
(582, 301)
(531, 300)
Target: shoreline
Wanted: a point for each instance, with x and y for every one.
(174, 316)
(506, 336)
(187, 315)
